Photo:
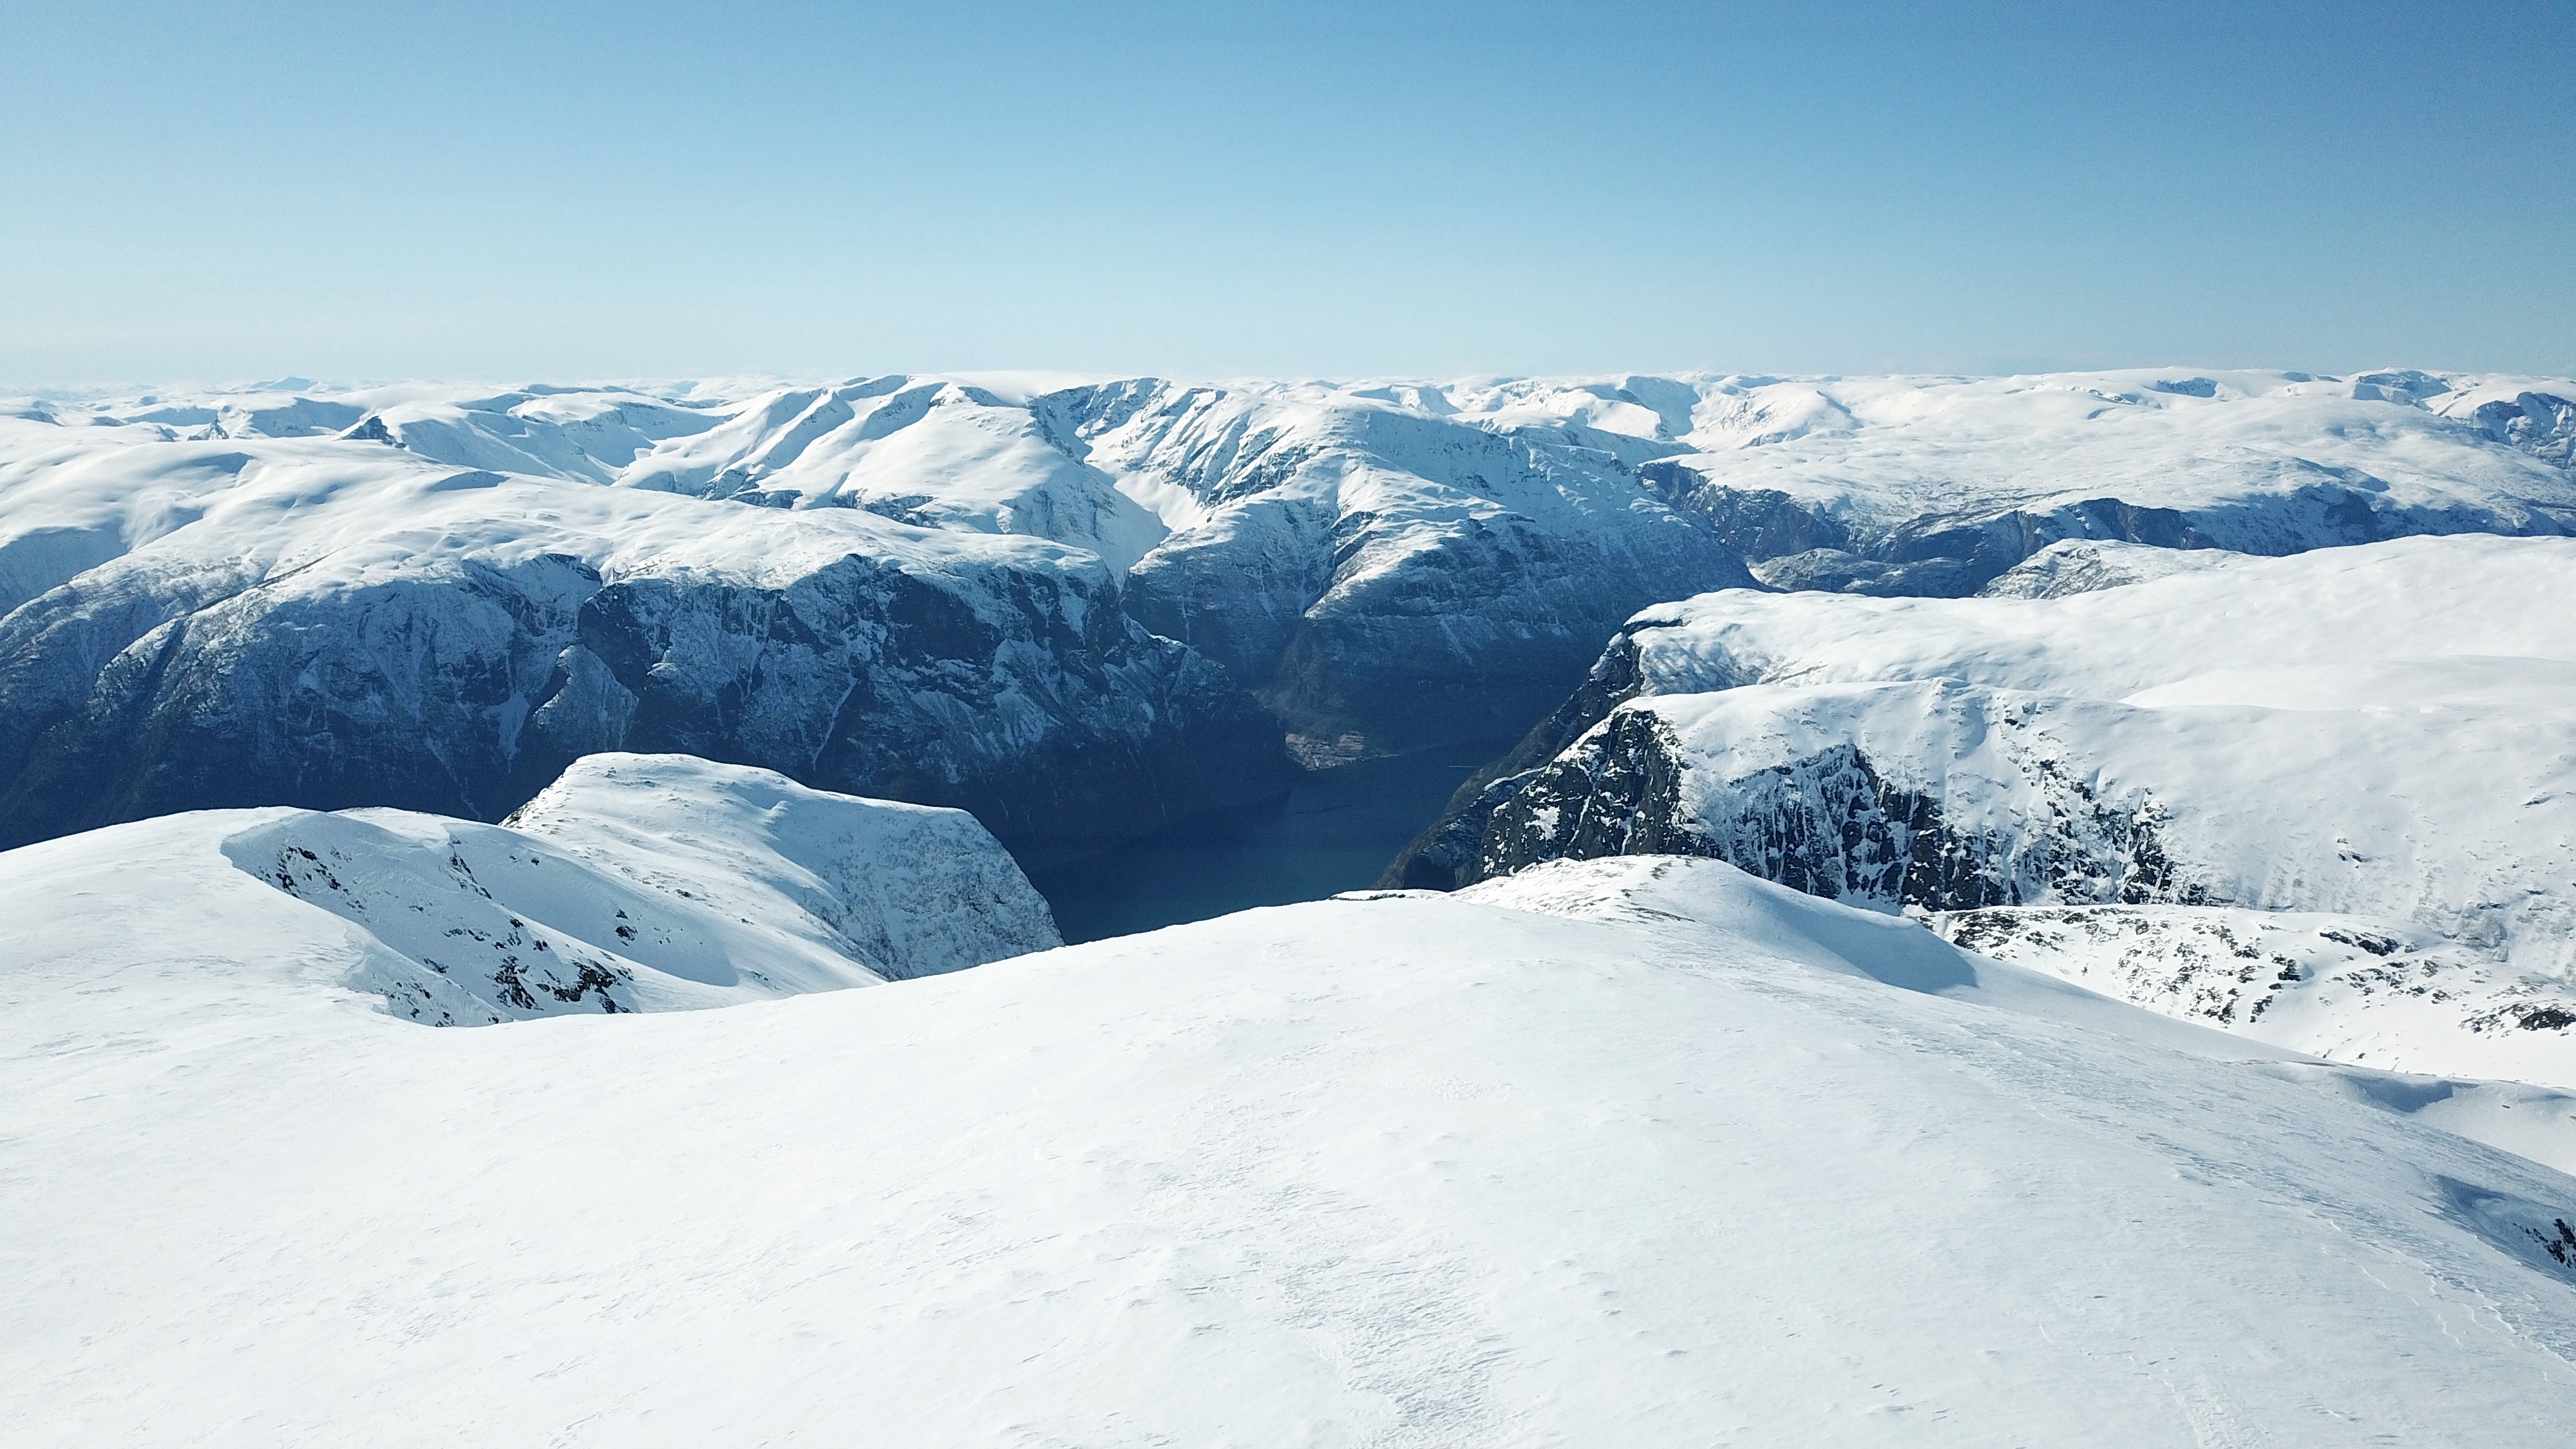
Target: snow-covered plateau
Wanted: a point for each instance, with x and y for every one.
(1636, 1151)
(2108, 782)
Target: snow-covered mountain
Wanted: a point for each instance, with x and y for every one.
(1901, 486)
(1387, 565)
(2385, 733)
(331, 622)
(1632, 1152)
(633, 883)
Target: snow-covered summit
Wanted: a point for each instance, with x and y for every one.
(905, 889)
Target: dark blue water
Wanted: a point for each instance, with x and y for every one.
(1334, 832)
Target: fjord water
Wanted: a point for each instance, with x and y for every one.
(1335, 831)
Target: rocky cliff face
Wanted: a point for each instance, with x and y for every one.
(1833, 823)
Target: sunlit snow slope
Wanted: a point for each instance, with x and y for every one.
(2385, 732)
(1636, 1153)
(634, 883)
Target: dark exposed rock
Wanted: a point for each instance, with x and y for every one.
(1443, 857)
(1830, 825)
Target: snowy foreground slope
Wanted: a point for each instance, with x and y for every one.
(1636, 1153)
(2385, 733)
(1388, 565)
(633, 883)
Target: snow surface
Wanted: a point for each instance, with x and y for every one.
(634, 883)
(2386, 733)
(1629, 1152)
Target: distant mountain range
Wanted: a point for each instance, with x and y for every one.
(1080, 608)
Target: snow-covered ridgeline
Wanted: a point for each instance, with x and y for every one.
(1683, 1158)
(1391, 564)
(633, 883)
(1901, 486)
(2385, 732)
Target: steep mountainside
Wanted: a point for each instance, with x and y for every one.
(329, 623)
(1388, 577)
(1219, 1184)
(2384, 732)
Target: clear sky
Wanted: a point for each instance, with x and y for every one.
(196, 191)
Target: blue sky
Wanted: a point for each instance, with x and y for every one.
(193, 191)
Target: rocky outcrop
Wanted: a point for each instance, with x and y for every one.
(2541, 424)
(1831, 824)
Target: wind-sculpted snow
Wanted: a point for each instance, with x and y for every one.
(1636, 1152)
(2385, 732)
(328, 623)
(634, 883)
